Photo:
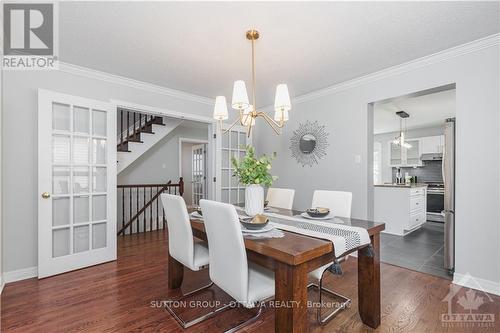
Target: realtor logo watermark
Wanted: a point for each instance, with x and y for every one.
(468, 308)
(30, 36)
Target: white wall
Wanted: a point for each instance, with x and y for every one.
(344, 111)
(161, 163)
(19, 145)
(385, 138)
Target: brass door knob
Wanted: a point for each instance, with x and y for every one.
(45, 195)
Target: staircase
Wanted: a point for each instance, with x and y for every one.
(139, 132)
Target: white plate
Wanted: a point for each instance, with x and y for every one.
(196, 215)
(328, 217)
(267, 228)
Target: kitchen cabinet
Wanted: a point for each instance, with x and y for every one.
(403, 209)
(400, 156)
(432, 144)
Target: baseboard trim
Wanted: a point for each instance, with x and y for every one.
(467, 280)
(2, 283)
(20, 274)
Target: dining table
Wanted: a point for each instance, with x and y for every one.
(292, 257)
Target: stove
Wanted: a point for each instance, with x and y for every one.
(435, 202)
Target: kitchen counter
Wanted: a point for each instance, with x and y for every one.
(412, 185)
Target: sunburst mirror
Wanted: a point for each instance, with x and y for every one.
(308, 143)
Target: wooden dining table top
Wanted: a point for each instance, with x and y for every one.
(294, 248)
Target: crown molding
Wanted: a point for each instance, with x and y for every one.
(132, 83)
(474, 46)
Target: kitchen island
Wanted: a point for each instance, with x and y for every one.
(402, 207)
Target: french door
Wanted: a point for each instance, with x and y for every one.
(76, 182)
(232, 143)
(199, 173)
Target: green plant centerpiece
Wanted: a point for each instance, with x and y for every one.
(254, 172)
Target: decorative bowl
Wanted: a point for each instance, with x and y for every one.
(257, 222)
(198, 210)
(318, 212)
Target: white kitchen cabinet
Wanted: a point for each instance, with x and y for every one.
(400, 156)
(432, 144)
(402, 209)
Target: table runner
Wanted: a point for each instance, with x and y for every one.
(344, 238)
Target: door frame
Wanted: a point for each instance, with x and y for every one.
(213, 140)
(196, 141)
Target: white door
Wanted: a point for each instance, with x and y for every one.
(233, 143)
(198, 173)
(76, 183)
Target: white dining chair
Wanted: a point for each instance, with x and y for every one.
(183, 248)
(339, 203)
(280, 197)
(248, 283)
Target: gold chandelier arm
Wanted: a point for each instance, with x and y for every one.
(279, 124)
(232, 125)
(271, 122)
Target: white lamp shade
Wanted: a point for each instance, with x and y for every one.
(278, 114)
(220, 109)
(282, 98)
(240, 97)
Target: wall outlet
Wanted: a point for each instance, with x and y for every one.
(357, 159)
(164, 166)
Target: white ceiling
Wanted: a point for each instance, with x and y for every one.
(425, 111)
(200, 48)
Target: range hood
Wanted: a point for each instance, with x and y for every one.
(432, 157)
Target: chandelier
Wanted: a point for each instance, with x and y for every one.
(400, 139)
(248, 112)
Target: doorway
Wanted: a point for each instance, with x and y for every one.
(193, 168)
(413, 179)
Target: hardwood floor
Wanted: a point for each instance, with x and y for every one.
(121, 297)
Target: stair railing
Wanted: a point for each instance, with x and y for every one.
(131, 124)
(139, 206)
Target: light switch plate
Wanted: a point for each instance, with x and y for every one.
(357, 159)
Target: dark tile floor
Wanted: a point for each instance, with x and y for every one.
(422, 250)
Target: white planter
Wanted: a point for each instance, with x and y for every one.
(254, 200)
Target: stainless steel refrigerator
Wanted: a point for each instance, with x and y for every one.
(449, 194)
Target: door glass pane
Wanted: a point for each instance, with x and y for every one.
(225, 196)
(80, 238)
(98, 235)
(99, 151)
(243, 140)
(225, 159)
(241, 198)
(99, 179)
(60, 211)
(60, 242)
(225, 178)
(60, 180)
(225, 141)
(234, 140)
(81, 120)
(99, 123)
(60, 149)
(81, 209)
(60, 117)
(234, 196)
(234, 181)
(242, 155)
(98, 207)
(80, 150)
(80, 179)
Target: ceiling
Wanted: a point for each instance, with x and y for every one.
(425, 111)
(201, 48)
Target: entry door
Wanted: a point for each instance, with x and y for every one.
(233, 143)
(199, 179)
(76, 183)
